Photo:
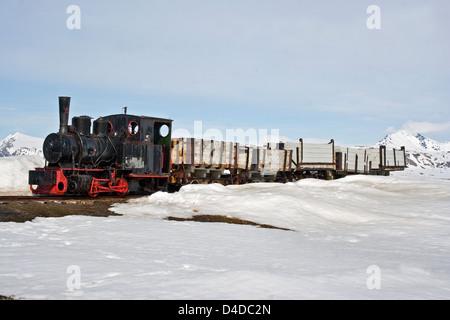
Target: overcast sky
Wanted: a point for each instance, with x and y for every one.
(312, 69)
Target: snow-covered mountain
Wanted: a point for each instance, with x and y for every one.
(414, 142)
(19, 144)
(424, 156)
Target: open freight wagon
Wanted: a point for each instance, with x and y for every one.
(205, 161)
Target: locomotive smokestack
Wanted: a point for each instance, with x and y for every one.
(64, 107)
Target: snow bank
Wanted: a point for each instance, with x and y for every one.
(304, 204)
(14, 174)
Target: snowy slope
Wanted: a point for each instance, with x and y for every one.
(19, 144)
(424, 156)
(414, 142)
(363, 237)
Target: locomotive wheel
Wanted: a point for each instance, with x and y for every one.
(121, 186)
(93, 192)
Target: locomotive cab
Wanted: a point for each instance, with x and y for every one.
(144, 146)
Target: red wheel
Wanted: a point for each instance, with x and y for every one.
(94, 191)
(121, 187)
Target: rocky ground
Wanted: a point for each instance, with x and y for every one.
(25, 209)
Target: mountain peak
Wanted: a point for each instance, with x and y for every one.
(413, 142)
(18, 144)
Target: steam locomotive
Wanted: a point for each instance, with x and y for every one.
(127, 154)
(123, 154)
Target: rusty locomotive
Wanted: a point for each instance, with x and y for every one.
(127, 154)
(123, 154)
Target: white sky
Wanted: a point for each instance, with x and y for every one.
(311, 69)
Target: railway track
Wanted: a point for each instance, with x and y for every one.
(26, 208)
(65, 198)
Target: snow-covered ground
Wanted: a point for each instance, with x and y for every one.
(416, 167)
(360, 237)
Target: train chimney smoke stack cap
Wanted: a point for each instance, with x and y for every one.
(64, 107)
